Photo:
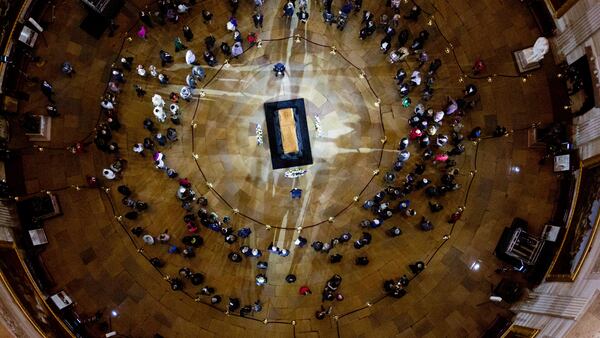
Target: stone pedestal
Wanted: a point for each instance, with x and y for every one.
(521, 57)
(44, 133)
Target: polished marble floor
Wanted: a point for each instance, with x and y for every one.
(92, 258)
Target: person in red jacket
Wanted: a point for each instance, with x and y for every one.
(304, 290)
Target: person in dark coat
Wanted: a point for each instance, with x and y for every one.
(47, 89)
(145, 18)
(187, 33)
(258, 18)
(207, 16)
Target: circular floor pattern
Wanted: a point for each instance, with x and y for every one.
(237, 280)
(225, 134)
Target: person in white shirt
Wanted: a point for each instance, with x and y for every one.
(198, 72)
(107, 104)
(237, 50)
(182, 9)
(159, 113)
(153, 71)
(141, 71)
(438, 116)
(190, 57)
(109, 174)
(185, 93)
(415, 78)
(138, 148)
(157, 100)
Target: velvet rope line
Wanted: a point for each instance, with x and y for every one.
(336, 317)
(211, 187)
(449, 49)
(266, 321)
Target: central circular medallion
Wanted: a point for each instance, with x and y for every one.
(339, 145)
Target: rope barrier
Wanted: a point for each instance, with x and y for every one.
(165, 277)
(363, 75)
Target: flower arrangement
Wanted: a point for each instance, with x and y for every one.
(259, 134)
(293, 173)
(318, 128)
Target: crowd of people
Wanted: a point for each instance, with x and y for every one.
(435, 136)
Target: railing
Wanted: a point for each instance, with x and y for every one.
(26, 294)
(6, 43)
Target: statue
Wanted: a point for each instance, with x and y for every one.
(529, 59)
(537, 52)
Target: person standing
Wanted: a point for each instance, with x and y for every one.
(127, 62)
(258, 19)
(288, 10)
(187, 33)
(109, 174)
(52, 110)
(139, 91)
(302, 15)
(185, 93)
(145, 18)
(235, 4)
(142, 32)
(138, 148)
(179, 45)
(207, 16)
(190, 57)
(237, 50)
(67, 68)
(112, 28)
(47, 90)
